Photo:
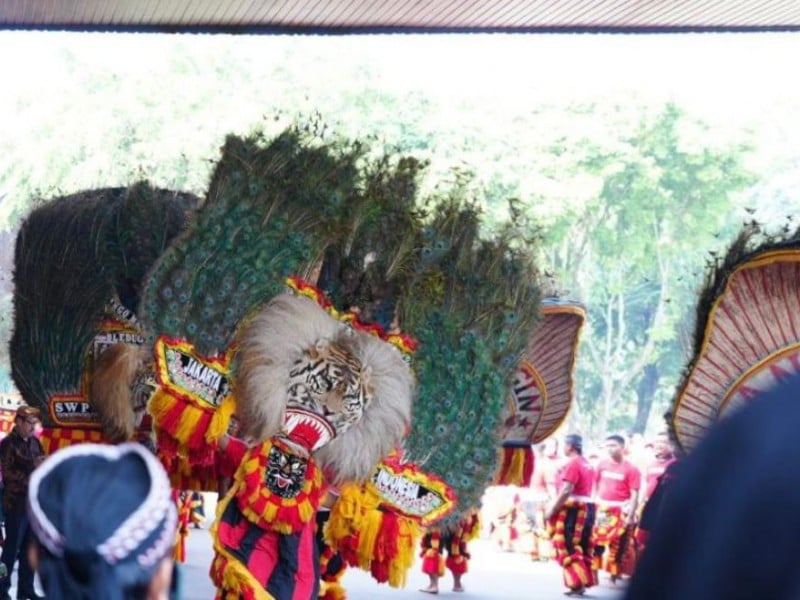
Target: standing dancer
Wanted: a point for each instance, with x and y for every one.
(618, 483)
(571, 518)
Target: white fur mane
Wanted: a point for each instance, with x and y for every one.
(278, 335)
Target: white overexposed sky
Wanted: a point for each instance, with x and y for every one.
(734, 82)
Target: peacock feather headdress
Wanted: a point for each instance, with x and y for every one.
(471, 301)
(217, 303)
(79, 262)
(263, 220)
(471, 305)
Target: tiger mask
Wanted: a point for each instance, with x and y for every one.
(343, 394)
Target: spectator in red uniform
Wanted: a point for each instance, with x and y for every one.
(618, 482)
(571, 517)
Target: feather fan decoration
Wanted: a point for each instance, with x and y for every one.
(746, 339)
(378, 230)
(471, 305)
(260, 223)
(72, 256)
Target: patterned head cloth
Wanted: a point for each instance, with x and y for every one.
(104, 519)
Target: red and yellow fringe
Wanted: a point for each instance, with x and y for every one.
(371, 537)
(577, 566)
(516, 467)
(330, 586)
(56, 438)
(187, 428)
(187, 438)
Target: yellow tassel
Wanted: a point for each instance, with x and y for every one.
(187, 425)
(160, 403)
(305, 510)
(221, 419)
(331, 591)
(349, 512)
(237, 578)
(370, 528)
(338, 525)
(517, 466)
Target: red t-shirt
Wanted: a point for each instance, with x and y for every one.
(653, 473)
(578, 472)
(617, 481)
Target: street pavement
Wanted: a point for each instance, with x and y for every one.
(493, 575)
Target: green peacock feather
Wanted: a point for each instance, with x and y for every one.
(378, 229)
(265, 218)
(471, 306)
(72, 255)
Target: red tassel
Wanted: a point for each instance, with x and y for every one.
(517, 466)
(386, 542)
(527, 469)
(379, 570)
(386, 548)
(348, 548)
(456, 564)
(432, 564)
(167, 445)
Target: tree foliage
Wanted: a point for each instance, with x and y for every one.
(635, 250)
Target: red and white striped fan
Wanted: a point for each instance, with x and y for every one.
(751, 342)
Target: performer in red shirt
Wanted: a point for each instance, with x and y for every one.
(618, 482)
(571, 517)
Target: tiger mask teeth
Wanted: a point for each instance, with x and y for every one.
(308, 429)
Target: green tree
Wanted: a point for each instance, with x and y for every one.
(634, 252)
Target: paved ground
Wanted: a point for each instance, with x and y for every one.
(493, 575)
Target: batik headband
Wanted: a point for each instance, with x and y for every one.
(157, 510)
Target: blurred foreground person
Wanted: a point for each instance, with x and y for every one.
(104, 522)
(730, 527)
